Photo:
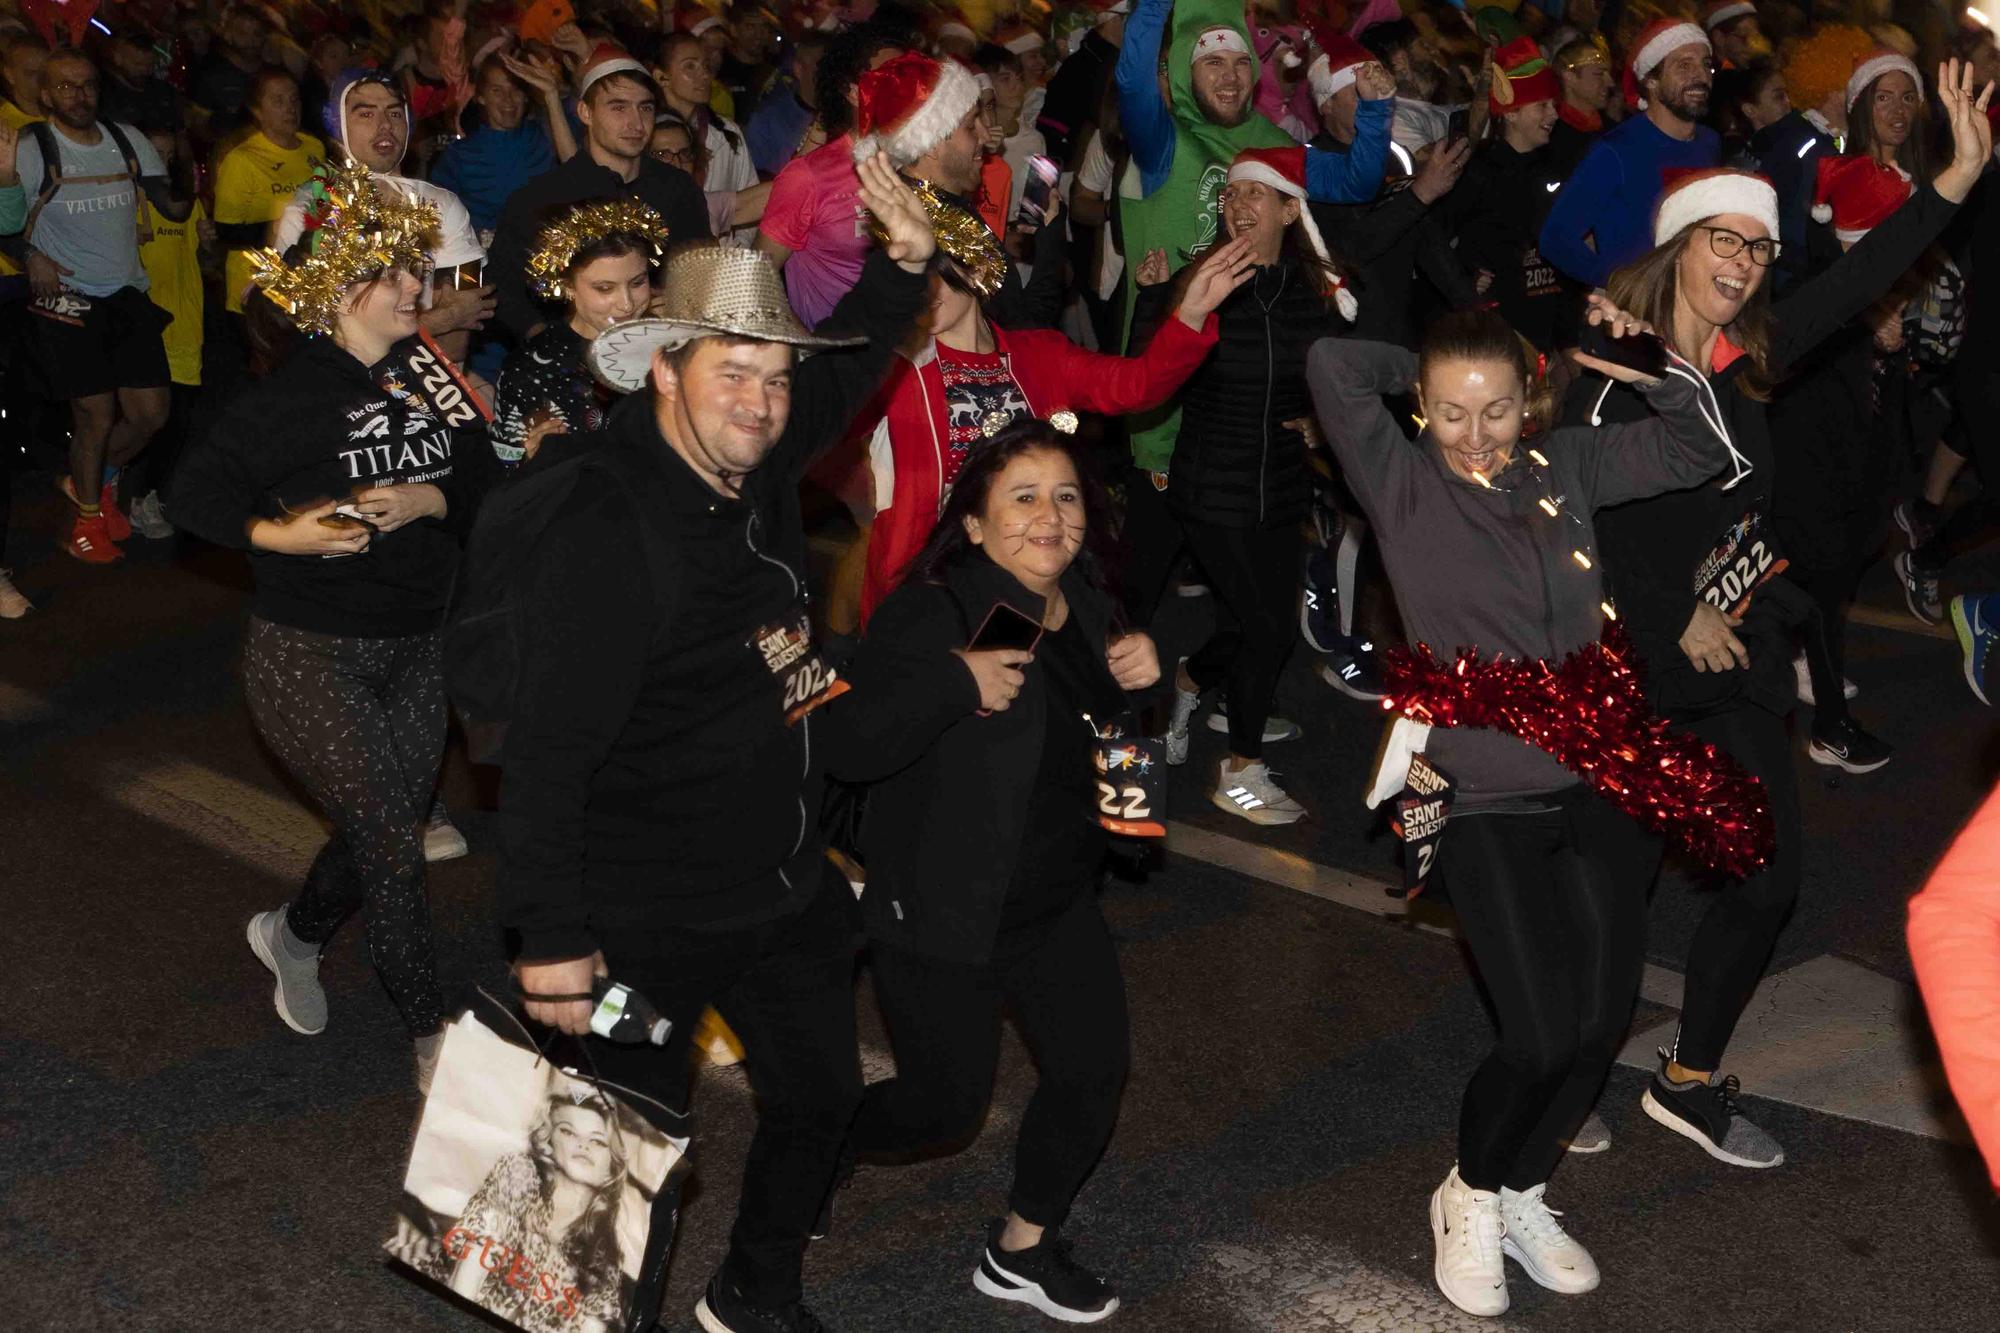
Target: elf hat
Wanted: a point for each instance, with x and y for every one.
(1720, 13)
(1691, 196)
(1284, 170)
(1339, 60)
(1521, 78)
(1857, 194)
(1658, 40)
(1873, 66)
(605, 61)
(909, 105)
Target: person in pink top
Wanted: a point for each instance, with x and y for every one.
(1955, 945)
(813, 227)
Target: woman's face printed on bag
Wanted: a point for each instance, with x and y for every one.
(580, 1140)
(1714, 287)
(1474, 411)
(1034, 518)
(608, 290)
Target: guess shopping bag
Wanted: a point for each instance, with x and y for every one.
(535, 1192)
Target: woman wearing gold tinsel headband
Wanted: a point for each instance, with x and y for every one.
(345, 472)
(598, 259)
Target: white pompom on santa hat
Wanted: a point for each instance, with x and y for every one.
(1284, 170)
(1693, 196)
(909, 105)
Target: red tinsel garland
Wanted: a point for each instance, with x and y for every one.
(1589, 712)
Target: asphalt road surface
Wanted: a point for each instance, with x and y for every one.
(176, 1159)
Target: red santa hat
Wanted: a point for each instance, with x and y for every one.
(1656, 41)
(1857, 195)
(606, 60)
(1339, 60)
(907, 106)
(1284, 170)
(1691, 196)
(1873, 66)
(1721, 12)
(1521, 77)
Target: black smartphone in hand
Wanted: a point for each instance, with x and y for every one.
(1643, 352)
(1006, 627)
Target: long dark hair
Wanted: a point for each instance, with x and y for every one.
(590, 1245)
(1915, 154)
(950, 546)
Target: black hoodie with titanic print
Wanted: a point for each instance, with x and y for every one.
(324, 426)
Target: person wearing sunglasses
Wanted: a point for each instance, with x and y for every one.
(1698, 573)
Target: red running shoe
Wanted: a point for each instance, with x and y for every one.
(115, 522)
(90, 541)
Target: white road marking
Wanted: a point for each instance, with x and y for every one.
(267, 829)
(1828, 1035)
(1304, 1284)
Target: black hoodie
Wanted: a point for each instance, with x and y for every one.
(324, 426)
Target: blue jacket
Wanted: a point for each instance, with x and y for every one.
(1610, 197)
(486, 166)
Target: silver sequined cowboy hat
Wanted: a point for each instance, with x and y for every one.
(709, 289)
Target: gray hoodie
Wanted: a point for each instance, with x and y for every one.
(1489, 568)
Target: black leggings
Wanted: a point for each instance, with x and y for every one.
(360, 724)
(1151, 541)
(1553, 907)
(1733, 943)
(1060, 979)
(1255, 575)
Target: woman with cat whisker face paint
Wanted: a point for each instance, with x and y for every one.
(983, 843)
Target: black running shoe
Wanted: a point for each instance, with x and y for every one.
(1319, 603)
(1846, 745)
(1351, 670)
(724, 1309)
(1920, 589)
(1044, 1277)
(1707, 1114)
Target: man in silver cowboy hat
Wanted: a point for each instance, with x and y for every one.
(661, 792)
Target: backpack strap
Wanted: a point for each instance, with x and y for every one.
(53, 178)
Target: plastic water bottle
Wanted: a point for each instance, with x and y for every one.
(625, 1016)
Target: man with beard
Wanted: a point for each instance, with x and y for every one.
(1609, 198)
(93, 333)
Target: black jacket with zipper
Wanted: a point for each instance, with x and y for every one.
(1236, 463)
(1653, 548)
(652, 780)
(952, 789)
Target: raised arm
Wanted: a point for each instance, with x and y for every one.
(1147, 119)
(1355, 176)
(1349, 379)
(1672, 451)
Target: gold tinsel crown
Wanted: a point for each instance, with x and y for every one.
(355, 230)
(962, 236)
(556, 246)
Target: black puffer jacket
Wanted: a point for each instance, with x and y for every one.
(1236, 463)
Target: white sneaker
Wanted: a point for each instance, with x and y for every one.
(1250, 793)
(149, 518)
(442, 840)
(1848, 689)
(1185, 704)
(1534, 1239)
(1467, 1230)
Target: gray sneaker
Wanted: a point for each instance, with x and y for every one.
(149, 518)
(442, 840)
(1185, 704)
(1707, 1114)
(298, 997)
(1591, 1136)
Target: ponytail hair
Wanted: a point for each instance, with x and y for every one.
(1481, 334)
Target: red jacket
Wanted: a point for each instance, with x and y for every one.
(1053, 373)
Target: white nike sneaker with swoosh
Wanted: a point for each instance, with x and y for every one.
(1467, 1229)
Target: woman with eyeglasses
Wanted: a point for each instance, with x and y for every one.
(1698, 573)
(677, 144)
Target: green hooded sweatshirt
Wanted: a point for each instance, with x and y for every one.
(1182, 215)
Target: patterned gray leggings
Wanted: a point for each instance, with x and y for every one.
(360, 724)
